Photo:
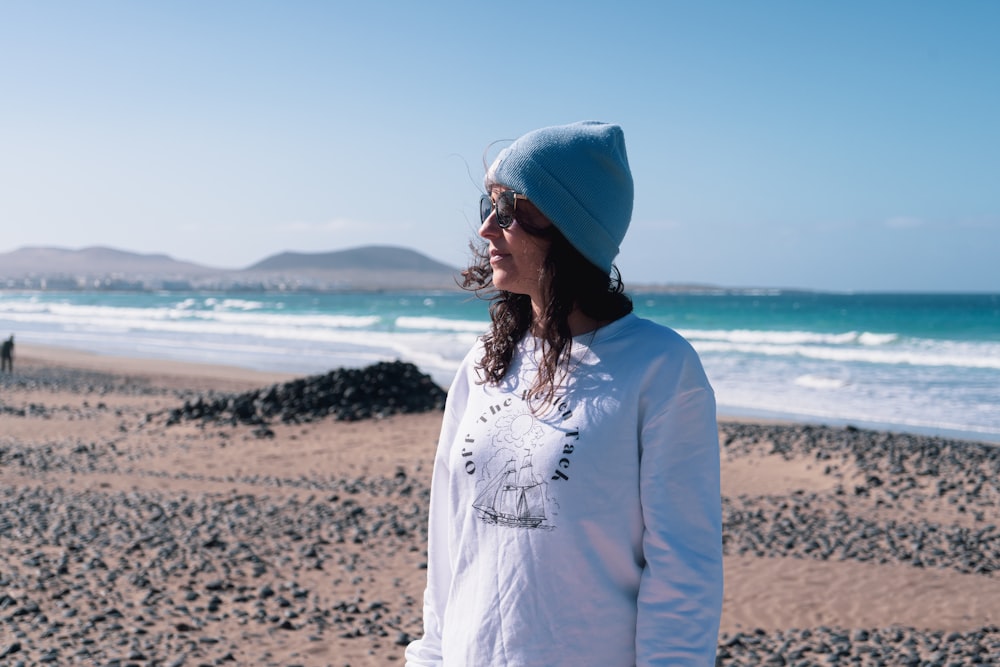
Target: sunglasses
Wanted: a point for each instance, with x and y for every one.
(505, 206)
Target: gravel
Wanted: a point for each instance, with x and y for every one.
(86, 575)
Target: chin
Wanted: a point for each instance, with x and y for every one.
(501, 281)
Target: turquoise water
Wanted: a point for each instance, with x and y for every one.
(925, 363)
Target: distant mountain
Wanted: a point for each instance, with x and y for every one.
(364, 268)
(49, 261)
(381, 258)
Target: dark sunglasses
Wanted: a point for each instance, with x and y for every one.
(505, 205)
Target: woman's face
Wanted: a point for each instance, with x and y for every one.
(516, 256)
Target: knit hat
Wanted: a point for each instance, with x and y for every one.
(578, 177)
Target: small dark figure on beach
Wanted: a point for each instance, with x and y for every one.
(7, 355)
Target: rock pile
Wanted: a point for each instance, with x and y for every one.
(345, 394)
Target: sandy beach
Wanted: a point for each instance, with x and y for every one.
(127, 537)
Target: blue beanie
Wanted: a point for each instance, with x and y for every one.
(577, 175)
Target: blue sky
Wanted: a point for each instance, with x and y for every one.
(827, 145)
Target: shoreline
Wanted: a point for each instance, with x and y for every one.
(68, 357)
(891, 362)
(238, 376)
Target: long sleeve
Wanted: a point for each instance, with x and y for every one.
(585, 532)
(681, 589)
(426, 651)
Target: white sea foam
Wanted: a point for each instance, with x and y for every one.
(788, 337)
(238, 317)
(234, 304)
(859, 376)
(812, 381)
(852, 347)
(989, 358)
(868, 338)
(440, 324)
(176, 318)
(912, 410)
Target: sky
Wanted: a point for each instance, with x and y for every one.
(845, 146)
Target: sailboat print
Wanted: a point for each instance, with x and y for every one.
(515, 497)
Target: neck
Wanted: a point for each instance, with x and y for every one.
(578, 322)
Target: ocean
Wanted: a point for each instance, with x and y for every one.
(922, 363)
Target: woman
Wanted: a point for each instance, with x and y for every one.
(575, 506)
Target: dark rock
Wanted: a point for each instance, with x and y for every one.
(10, 650)
(379, 390)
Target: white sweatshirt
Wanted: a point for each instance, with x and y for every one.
(585, 533)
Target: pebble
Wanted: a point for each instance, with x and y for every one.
(882, 647)
(67, 556)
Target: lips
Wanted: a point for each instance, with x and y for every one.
(496, 255)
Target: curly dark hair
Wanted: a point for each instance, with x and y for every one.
(573, 283)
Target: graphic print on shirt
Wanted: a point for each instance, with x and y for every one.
(512, 492)
(515, 495)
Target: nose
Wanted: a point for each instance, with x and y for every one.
(490, 229)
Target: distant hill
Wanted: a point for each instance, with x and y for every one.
(365, 268)
(382, 258)
(50, 261)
